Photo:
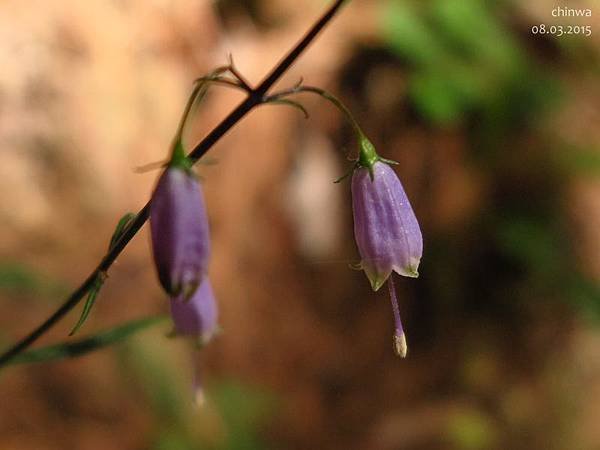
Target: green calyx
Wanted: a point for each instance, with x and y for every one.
(367, 156)
(179, 159)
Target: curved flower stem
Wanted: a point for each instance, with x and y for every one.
(200, 87)
(299, 89)
(255, 97)
(292, 103)
(199, 90)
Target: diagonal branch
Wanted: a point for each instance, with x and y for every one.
(254, 98)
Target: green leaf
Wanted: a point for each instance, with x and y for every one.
(96, 342)
(89, 302)
(121, 227)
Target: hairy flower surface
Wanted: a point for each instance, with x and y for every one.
(197, 317)
(180, 233)
(385, 227)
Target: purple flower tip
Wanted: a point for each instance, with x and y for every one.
(197, 317)
(385, 227)
(180, 234)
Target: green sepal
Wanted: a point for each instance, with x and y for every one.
(89, 344)
(151, 166)
(347, 174)
(179, 159)
(389, 161)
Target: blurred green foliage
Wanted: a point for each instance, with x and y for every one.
(531, 244)
(242, 410)
(463, 60)
(18, 279)
(470, 429)
(229, 418)
(579, 161)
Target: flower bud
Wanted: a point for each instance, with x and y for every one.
(180, 234)
(385, 227)
(198, 316)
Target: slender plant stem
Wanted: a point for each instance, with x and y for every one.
(254, 98)
(299, 89)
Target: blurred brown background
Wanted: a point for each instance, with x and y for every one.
(497, 134)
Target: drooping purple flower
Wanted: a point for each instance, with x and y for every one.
(197, 317)
(385, 227)
(180, 233)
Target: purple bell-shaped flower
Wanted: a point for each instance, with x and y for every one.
(385, 227)
(197, 317)
(179, 229)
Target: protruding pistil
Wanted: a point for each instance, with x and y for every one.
(399, 337)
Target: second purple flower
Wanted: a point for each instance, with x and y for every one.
(197, 317)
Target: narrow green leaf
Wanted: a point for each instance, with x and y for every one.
(96, 342)
(89, 302)
(346, 175)
(121, 227)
